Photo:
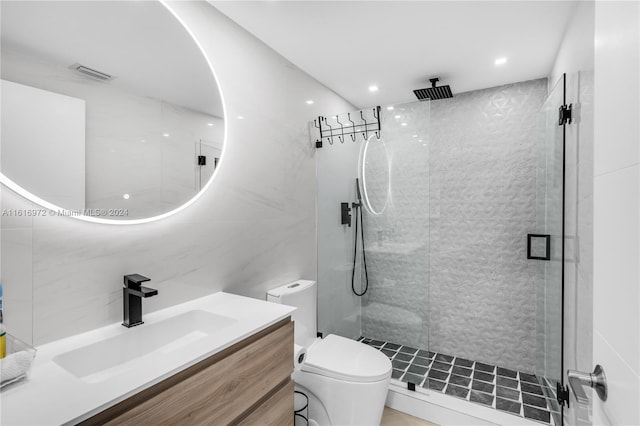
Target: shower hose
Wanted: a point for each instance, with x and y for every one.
(358, 208)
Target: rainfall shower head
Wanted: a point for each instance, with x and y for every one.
(434, 93)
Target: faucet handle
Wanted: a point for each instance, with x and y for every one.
(135, 279)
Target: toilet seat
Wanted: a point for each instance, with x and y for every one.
(345, 359)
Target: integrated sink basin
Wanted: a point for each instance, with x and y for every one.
(116, 355)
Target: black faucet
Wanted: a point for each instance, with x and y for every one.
(132, 294)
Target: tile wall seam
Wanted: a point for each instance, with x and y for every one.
(615, 352)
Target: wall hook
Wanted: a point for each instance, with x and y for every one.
(340, 138)
(327, 132)
(353, 126)
(366, 128)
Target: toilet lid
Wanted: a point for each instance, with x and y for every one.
(346, 359)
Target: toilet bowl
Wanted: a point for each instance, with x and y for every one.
(346, 381)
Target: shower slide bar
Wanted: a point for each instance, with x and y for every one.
(339, 129)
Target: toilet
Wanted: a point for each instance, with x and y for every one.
(345, 381)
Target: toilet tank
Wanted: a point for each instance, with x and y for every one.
(301, 294)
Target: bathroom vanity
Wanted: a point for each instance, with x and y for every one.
(221, 359)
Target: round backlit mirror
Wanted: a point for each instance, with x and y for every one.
(110, 110)
(375, 175)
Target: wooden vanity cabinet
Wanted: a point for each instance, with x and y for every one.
(248, 383)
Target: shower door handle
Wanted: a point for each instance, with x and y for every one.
(596, 380)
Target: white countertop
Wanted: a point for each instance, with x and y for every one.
(54, 396)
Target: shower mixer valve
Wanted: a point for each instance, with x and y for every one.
(345, 214)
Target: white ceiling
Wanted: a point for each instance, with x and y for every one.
(139, 42)
(399, 45)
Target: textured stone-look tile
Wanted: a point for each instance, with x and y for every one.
(477, 218)
(441, 366)
(396, 374)
(531, 378)
(444, 358)
(505, 372)
(434, 384)
(463, 362)
(421, 361)
(507, 405)
(459, 380)
(457, 391)
(482, 386)
(439, 375)
(481, 398)
(508, 393)
(412, 378)
(403, 357)
(400, 365)
(486, 368)
(461, 371)
(485, 377)
(425, 354)
(417, 369)
(510, 383)
(408, 350)
(388, 352)
(530, 388)
(536, 414)
(533, 400)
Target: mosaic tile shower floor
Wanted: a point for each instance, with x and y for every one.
(515, 392)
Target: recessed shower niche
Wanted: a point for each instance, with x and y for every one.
(130, 120)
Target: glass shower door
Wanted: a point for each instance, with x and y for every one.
(546, 243)
(395, 309)
(378, 292)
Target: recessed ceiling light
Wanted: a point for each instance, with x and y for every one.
(210, 124)
(415, 136)
(126, 196)
(240, 117)
(501, 61)
(166, 135)
(389, 108)
(403, 124)
(373, 88)
(309, 102)
(396, 116)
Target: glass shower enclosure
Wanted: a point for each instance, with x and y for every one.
(392, 173)
(455, 270)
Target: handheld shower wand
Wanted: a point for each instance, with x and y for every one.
(358, 193)
(358, 207)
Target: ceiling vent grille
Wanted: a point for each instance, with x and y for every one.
(98, 75)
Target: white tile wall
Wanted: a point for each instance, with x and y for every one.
(616, 275)
(253, 229)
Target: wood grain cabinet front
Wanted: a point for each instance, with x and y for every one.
(248, 383)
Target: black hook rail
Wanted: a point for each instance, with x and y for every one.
(327, 132)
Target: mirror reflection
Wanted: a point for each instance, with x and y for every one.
(109, 108)
(375, 177)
